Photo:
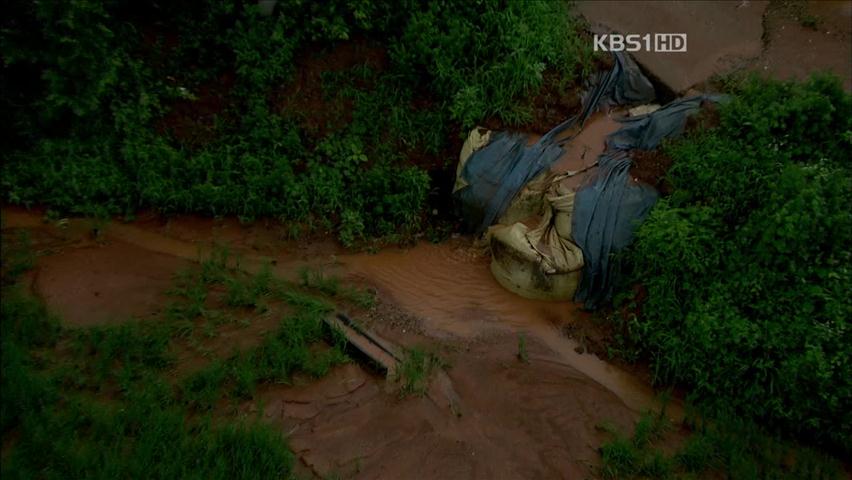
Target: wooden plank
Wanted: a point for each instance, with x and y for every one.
(365, 345)
(385, 345)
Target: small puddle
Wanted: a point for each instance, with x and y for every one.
(583, 150)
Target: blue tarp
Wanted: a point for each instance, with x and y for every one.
(610, 206)
(498, 171)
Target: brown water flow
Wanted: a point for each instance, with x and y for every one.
(449, 286)
(452, 290)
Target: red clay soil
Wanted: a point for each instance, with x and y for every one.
(104, 283)
(192, 122)
(514, 420)
(651, 167)
(188, 236)
(804, 37)
(708, 117)
(304, 97)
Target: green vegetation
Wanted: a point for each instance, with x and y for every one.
(414, 371)
(523, 355)
(104, 409)
(726, 447)
(200, 107)
(17, 257)
(332, 287)
(743, 274)
(112, 402)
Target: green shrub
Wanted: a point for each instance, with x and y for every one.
(414, 371)
(90, 84)
(482, 57)
(747, 265)
(722, 446)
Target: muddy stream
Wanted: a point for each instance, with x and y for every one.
(447, 286)
(534, 420)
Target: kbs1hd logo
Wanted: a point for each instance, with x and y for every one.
(634, 42)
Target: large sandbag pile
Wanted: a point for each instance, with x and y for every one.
(554, 219)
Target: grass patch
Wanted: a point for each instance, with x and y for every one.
(291, 349)
(414, 371)
(102, 401)
(724, 447)
(17, 257)
(332, 286)
(523, 355)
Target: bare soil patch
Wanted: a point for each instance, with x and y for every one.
(104, 283)
(801, 38)
(514, 419)
(192, 121)
(304, 97)
(651, 166)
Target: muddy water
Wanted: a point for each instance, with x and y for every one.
(451, 289)
(449, 286)
(512, 420)
(584, 149)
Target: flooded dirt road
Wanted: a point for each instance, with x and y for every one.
(451, 290)
(448, 287)
(514, 419)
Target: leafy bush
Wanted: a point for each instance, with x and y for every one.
(747, 265)
(482, 56)
(90, 83)
(722, 447)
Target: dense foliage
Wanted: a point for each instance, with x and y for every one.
(746, 268)
(89, 87)
(722, 447)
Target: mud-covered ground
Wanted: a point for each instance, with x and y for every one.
(538, 418)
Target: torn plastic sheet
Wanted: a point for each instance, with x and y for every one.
(607, 212)
(610, 206)
(498, 171)
(646, 132)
